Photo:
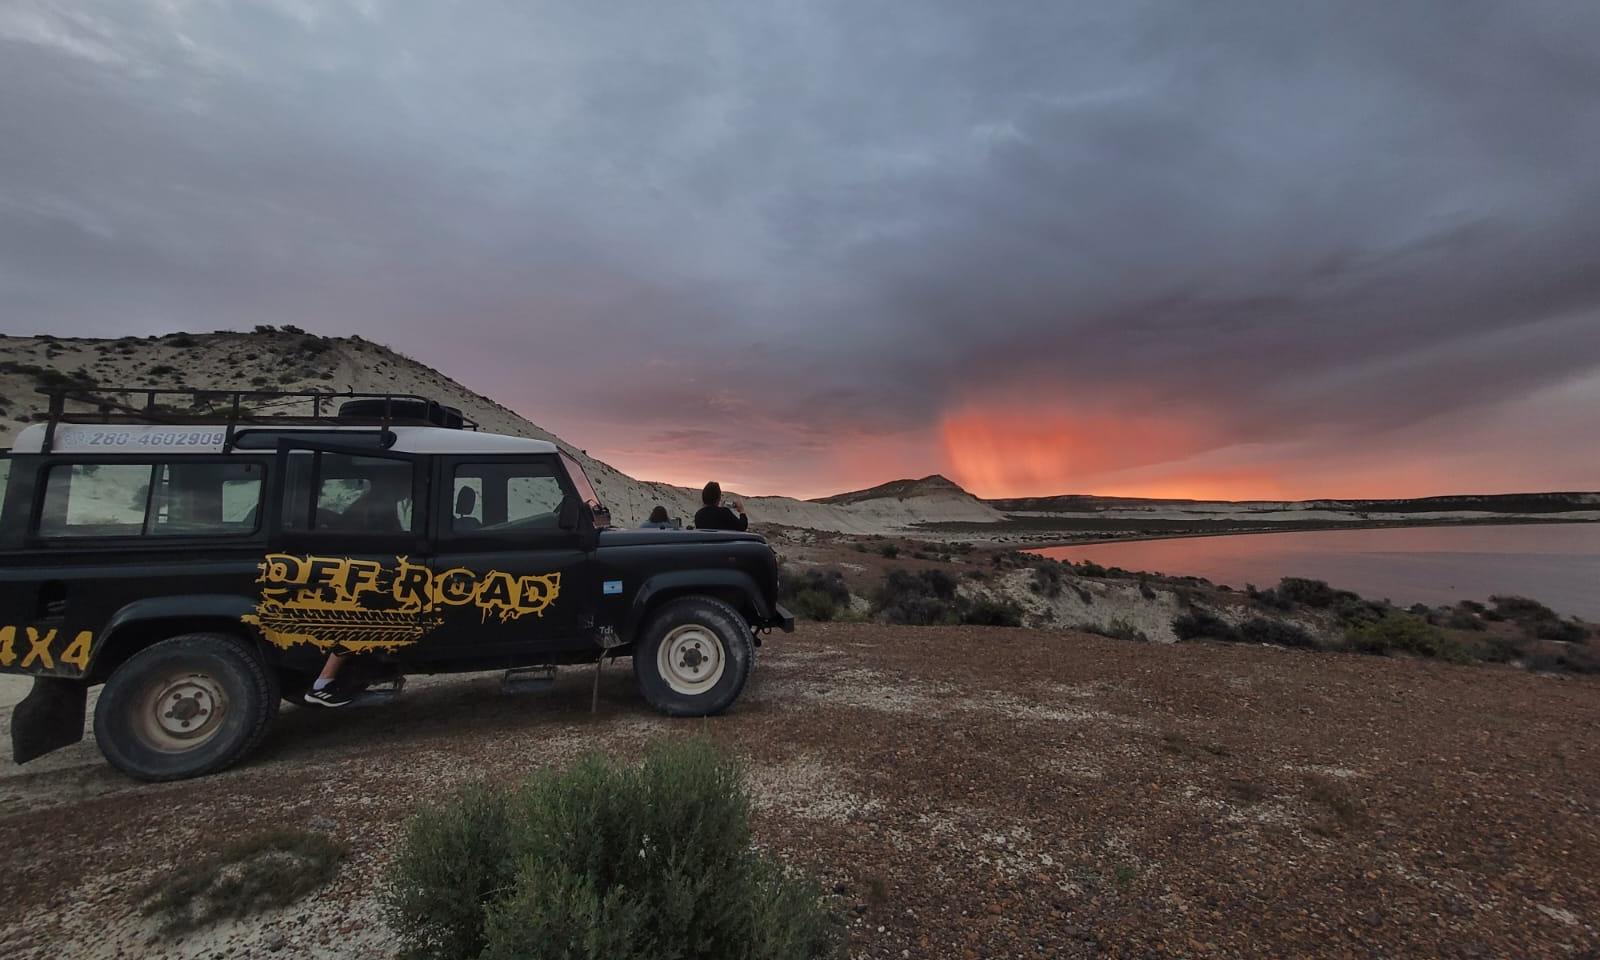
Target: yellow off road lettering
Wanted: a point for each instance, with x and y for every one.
(77, 652)
(8, 646)
(350, 605)
(39, 648)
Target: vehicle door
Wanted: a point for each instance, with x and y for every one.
(510, 580)
(348, 570)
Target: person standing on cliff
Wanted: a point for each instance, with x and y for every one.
(714, 516)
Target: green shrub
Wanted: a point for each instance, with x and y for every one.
(1047, 580)
(1089, 568)
(1400, 633)
(1521, 609)
(920, 598)
(181, 340)
(162, 370)
(992, 613)
(1270, 599)
(929, 598)
(1566, 659)
(1563, 630)
(1312, 593)
(889, 550)
(1463, 617)
(1117, 629)
(1279, 633)
(813, 605)
(814, 594)
(605, 862)
(453, 861)
(1198, 623)
(1353, 611)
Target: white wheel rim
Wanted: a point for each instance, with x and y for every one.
(180, 711)
(691, 659)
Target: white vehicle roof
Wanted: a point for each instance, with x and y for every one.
(167, 439)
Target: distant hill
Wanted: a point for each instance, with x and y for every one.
(930, 486)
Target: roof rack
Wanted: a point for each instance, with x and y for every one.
(83, 404)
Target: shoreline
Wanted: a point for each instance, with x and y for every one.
(1286, 527)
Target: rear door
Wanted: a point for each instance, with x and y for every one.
(503, 561)
(348, 568)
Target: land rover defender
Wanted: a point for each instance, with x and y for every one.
(200, 553)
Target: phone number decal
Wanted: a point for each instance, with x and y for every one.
(124, 438)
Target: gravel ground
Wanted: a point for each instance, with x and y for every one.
(963, 792)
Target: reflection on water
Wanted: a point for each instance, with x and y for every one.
(1556, 564)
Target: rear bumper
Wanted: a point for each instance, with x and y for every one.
(781, 618)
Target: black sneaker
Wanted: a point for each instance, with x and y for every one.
(328, 697)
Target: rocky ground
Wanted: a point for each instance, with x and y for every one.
(963, 792)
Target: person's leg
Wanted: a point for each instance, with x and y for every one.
(322, 693)
(329, 671)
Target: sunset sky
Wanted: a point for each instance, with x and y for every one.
(1226, 249)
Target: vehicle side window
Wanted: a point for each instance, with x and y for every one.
(507, 498)
(117, 499)
(95, 500)
(205, 498)
(353, 494)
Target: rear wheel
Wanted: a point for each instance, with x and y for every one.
(185, 707)
(693, 657)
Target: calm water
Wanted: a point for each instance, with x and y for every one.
(1556, 564)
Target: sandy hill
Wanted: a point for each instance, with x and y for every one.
(293, 360)
(934, 485)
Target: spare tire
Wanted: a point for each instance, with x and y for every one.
(400, 408)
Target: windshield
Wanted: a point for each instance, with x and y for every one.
(580, 481)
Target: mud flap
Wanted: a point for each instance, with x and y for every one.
(48, 718)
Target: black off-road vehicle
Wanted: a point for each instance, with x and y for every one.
(201, 553)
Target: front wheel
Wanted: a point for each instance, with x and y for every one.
(185, 707)
(693, 657)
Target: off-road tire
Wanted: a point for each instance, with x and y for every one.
(711, 620)
(224, 665)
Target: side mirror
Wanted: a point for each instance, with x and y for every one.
(567, 518)
(602, 517)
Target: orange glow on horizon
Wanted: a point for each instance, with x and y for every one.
(1023, 452)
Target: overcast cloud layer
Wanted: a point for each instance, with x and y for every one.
(1227, 249)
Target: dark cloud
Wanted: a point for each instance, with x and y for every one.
(795, 241)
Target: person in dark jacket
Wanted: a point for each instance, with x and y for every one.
(714, 516)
